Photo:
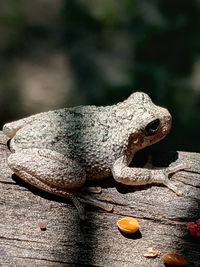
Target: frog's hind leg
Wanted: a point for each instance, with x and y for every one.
(54, 173)
(10, 128)
(50, 167)
(28, 178)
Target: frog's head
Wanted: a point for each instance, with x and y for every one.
(148, 123)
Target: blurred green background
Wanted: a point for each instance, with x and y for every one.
(57, 53)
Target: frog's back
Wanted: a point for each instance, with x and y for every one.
(52, 127)
(81, 133)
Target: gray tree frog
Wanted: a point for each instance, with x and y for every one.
(57, 151)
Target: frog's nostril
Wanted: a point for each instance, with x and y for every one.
(152, 127)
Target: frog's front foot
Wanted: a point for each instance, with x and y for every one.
(162, 176)
(142, 176)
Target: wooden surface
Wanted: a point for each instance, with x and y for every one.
(68, 241)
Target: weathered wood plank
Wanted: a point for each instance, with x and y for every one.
(97, 241)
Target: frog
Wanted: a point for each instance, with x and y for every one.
(59, 151)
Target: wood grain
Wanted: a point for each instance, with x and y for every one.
(68, 241)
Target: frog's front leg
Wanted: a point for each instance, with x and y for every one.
(54, 173)
(142, 176)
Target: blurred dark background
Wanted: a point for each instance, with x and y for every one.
(58, 53)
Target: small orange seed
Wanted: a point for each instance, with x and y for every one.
(174, 259)
(128, 225)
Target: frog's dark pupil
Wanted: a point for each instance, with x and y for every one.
(152, 127)
(8, 144)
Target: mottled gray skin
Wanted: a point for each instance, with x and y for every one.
(57, 151)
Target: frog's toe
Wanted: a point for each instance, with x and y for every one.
(85, 198)
(92, 189)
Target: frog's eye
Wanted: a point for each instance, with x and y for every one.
(152, 127)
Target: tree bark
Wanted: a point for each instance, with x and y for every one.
(97, 241)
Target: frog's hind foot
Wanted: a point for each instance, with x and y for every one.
(87, 199)
(46, 170)
(76, 196)
(102, 202)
